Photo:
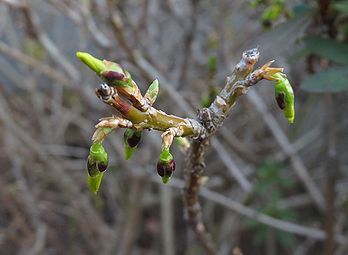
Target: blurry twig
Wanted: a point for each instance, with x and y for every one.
(241, 209)
(167, 220)
(35, 64)
(298, 165)
(133, 216)
(45, 41)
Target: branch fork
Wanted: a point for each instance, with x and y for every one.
(136, 114)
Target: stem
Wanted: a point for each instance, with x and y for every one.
(212, 118)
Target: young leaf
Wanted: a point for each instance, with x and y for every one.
(152, 92)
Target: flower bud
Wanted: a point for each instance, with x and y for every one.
(112, 73)
(132, 137)
(97, 160)
(284, 96)
(165, 165)
(131, 140)
(95, 64)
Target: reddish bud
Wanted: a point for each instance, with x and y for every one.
(165, 168)
(281, 100)
(101, 166)
(112, 75)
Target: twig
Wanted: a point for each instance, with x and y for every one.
(285, 145)
(241, 209)
(35, 64)
(212, 118)
(129, 233)
(167, 220)
(149, 71)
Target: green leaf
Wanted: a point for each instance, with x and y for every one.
(341, 7)
(330, 80)
(328, 48)
(152, 92)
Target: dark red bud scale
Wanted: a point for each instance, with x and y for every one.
(101, 167)
(165, 168)
(112, 75)
(134, 140)
(281, 100)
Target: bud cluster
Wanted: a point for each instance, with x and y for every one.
(137, 114)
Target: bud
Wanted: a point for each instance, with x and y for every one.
(152, 92)
(165, 165)
(112, 73)
(284, 96)
(131, 140)
(97, 163)
(97, 160)
(115, 75)
(95, 64)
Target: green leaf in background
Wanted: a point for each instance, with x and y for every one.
(327, 48)
(341, 7)
(329, 80)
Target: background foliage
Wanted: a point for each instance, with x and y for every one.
(258, 163)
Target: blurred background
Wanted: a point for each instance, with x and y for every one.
(272, 188)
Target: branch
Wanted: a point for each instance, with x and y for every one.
(137, 114)
(212, 118)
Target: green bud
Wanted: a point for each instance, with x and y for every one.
(152, 92)
(284, 96)
(112, 73)
(94, 182)
(131, 140)
(95, 64)
(115, 75)
(97, 163)
(165, 165)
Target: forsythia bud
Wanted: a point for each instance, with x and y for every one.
(97, 163)
(131, 140)
(165, 165)
(284, 96)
